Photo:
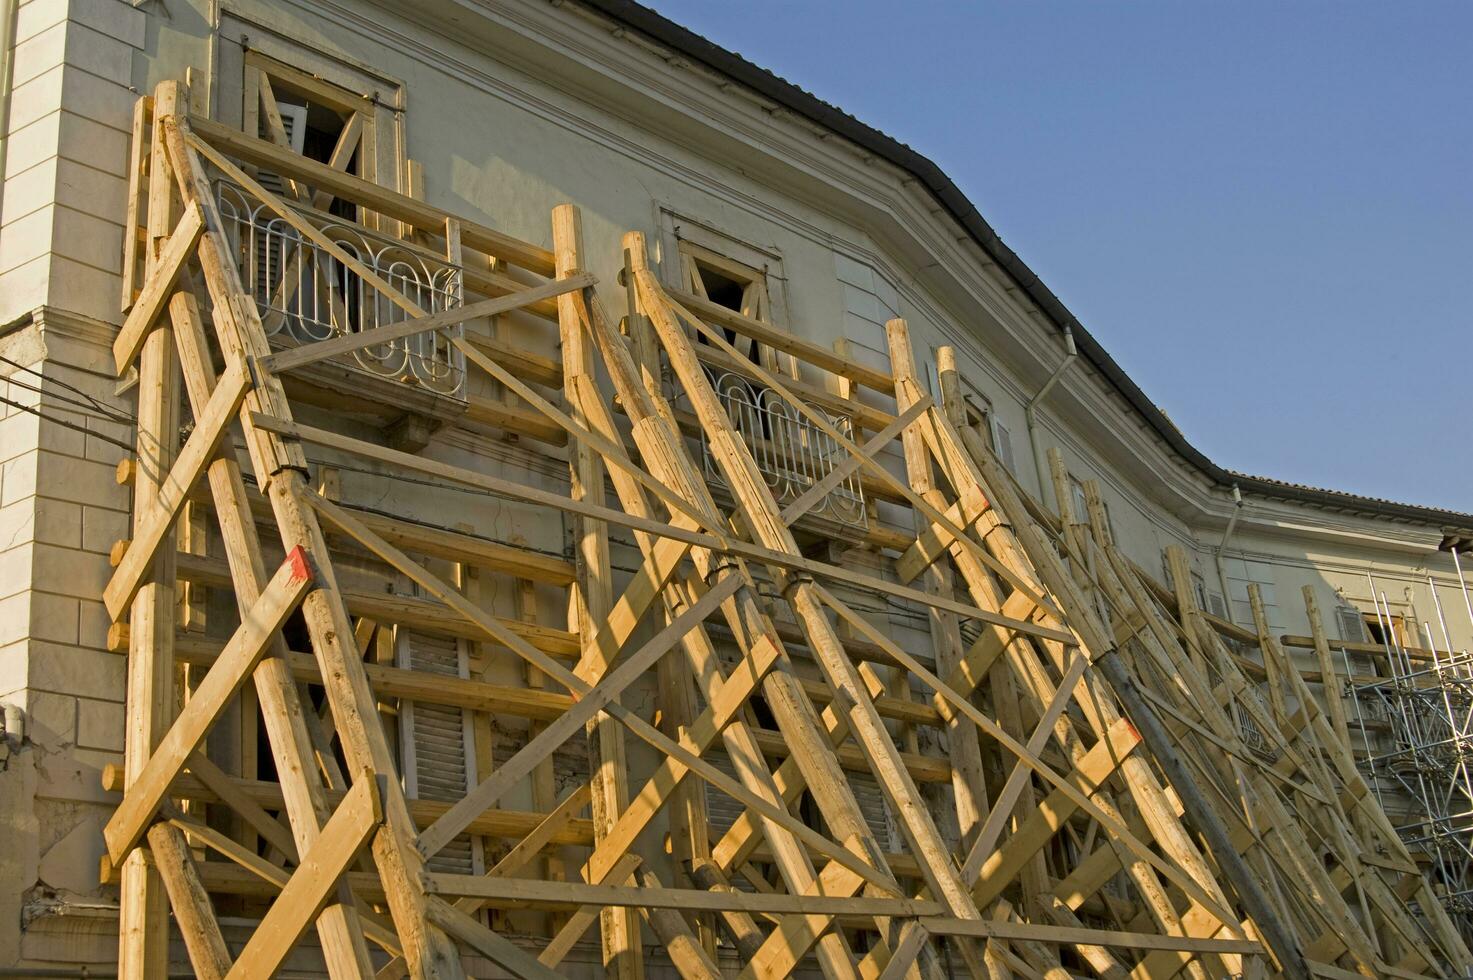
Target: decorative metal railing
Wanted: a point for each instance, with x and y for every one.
(791, 452)
(304, 294)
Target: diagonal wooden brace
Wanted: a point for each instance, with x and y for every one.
(348, 343)
(224, 680)
(587, 705)
(344, 836)
(159, 287)
(193, 459)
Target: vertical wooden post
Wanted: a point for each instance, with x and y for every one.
(282, 468)
(1329, 676)
(276, 695)
(544, 789)
(967, 779)
(593, 595)
(143, 949)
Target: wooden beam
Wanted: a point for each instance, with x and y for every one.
(158, 518)
(503, 952)
(420, 323)
(558, 893)
(198, 927)
(220, 684)
(157, 288)
(344, 836)
(995, 929)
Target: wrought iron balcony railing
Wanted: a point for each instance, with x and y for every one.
(791, 452)
(304, 294)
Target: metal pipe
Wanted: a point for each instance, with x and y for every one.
(9, 10)
(1030, 415)
(1463, 584)
(1222, 580)
(1281, 943)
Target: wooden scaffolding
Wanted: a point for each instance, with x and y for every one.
(1064, 774)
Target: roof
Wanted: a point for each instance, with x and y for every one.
(795, 99)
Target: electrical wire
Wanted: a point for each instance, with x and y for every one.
(107, 411)
(32, 410)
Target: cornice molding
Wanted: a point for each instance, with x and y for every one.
(799, 159)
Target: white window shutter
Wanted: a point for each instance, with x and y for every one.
(1002, 440)
(436, 741)
(1352, 624)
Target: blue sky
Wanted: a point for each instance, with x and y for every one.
(1263, 210)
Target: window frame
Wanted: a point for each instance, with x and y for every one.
(246, 47)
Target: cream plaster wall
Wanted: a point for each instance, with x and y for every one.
(511, 108)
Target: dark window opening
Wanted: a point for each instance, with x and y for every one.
(1376, 630)
(722, 289)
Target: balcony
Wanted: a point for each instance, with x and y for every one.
(791, 452)
(304, 295)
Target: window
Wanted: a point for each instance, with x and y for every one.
(1392, 633)
(737, 287)
(1352, 624)
(326, 107)
(1002, 444)
(1240, 573)
(1081, 499)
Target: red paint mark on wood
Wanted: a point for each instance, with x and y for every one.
(301, 566)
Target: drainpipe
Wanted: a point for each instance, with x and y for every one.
(8, 11)
(1227, 600)
(1030, 413)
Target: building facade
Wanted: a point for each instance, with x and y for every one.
(750, 194)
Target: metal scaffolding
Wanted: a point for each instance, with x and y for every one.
(1419, 767)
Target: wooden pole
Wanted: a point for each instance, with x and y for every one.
(143, 950)
(281, 467)
(592, 596)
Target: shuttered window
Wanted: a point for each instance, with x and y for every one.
(1352, 624)
(435, 741)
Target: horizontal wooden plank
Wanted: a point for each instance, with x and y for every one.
(1029, 931)
(414, 612)
(398, 206)
(504, 824)
(766, 333)
(566, 894)
(347, 343)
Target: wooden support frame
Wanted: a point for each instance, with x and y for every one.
(1083, 851)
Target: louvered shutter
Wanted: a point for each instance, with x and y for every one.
(722, 811)
(1352, 624)
(436, 743)
(872, 804)
(1002, 441)
(268, 247)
